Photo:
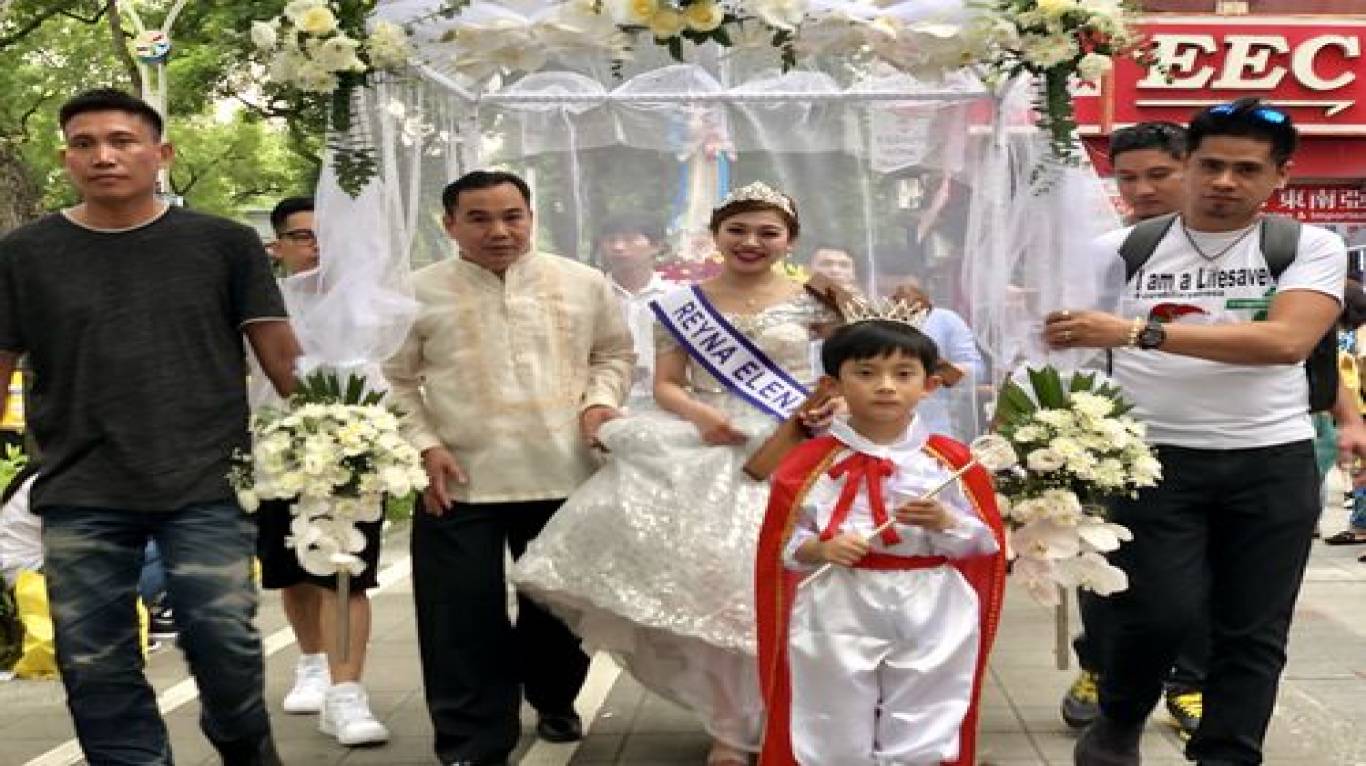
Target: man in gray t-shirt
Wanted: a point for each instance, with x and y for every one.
(132, 314)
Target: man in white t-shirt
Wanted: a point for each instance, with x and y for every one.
(1211, 350)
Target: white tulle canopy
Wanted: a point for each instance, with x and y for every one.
(942, 180)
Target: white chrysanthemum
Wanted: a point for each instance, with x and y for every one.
(1094, 66)
(1092, 405)
(338, 54)
(388, 46)
(312, 77)
(1048, 51)
(1031, 434)
(1045, 460)
(265, 36)
(1062, 420)
(1062, 506)
(994, 452)
(1145, 471)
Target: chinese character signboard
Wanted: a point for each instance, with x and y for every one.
(1321, 204)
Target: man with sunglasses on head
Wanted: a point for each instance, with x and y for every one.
(1148, 161)
(1211, 349)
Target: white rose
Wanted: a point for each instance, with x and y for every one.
(1094, 66)
(388, 46)
(264, 36)
(632, 13)
(295, 9)
(666, 23)
(704, 16)
(1045, 460)
(317, 21)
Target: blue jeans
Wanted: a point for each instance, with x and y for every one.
(93, 558)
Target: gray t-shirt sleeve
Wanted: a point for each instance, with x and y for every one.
(255, 294)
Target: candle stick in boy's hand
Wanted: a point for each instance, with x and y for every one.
(990, 451)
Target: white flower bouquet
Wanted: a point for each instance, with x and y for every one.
(314, 46)
(1062, 41)
(336, 453)
(1078, 446)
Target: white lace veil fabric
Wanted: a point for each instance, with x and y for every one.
(923, 179)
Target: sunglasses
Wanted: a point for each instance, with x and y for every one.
(1264, 113)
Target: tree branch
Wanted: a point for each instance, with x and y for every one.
(120, 41)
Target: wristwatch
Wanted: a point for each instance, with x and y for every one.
(1152, 335)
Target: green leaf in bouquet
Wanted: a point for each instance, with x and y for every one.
(1013, 403)
(1082, 381)
(1048, 388)
(355, 387)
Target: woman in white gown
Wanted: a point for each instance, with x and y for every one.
(652, 559)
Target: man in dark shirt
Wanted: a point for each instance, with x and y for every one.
(132, 313)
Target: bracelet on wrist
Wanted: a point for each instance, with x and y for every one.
(1135, 328)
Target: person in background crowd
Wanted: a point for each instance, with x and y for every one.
(323, 682)
(1148, 161)
(837, 264)
(630, 247)
(132, 312)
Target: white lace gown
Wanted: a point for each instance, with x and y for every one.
(652, 559)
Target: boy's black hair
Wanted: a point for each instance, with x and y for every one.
(287, 207)
(1246, 118)
(111, 100)
(1163, 136)
(630, 224)
(476, 180)
(875, 338)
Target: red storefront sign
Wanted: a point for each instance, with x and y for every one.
(1315, 68)
(1320, 203)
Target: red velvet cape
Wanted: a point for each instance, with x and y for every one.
(775, 584)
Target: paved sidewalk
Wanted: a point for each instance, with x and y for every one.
(1318, 721)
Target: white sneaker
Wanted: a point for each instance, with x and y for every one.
(346, 715)
(311, 681)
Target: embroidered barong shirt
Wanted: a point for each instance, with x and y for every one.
(499, 370)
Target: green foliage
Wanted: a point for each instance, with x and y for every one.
(227, 160)
(11, 464)
(326, 388)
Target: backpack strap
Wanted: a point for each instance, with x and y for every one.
(1142, 242)
(1280, 239)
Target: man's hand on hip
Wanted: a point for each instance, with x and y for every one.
(441, 467)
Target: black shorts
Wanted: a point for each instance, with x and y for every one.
(280, 565)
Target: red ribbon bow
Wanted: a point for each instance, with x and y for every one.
(861, 467)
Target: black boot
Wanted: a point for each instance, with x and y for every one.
(1108, 743)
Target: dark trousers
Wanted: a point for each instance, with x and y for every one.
(475, 662)
(1187, 672)
(92, 558)
(1226, 534)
